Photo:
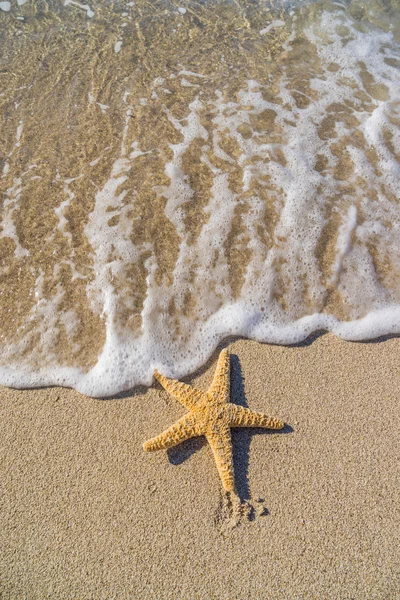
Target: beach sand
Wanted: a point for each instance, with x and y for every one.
(85, 513)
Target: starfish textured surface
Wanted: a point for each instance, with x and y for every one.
(212, 415)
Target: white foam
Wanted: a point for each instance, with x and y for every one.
(186, 83)
(343, 243)
(190, 73)
(10, 204)
(18, 134)
(60, 210)
(5, 6)
(179, 190)
(84, 7)
(272, 25)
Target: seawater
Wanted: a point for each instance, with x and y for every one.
(176, 172)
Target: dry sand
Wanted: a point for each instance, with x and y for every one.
(86, 514)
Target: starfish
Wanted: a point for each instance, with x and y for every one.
(211, 415)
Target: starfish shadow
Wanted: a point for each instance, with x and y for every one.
(241, 438)
(178, 454)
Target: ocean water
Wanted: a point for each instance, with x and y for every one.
(176, 172)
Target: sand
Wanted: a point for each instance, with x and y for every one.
(86, 514)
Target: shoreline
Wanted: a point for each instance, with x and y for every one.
(86, 513)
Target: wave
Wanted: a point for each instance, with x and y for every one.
(174, 177)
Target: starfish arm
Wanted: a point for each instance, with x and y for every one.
(221, 445)
(220, 386)
(186, 394)
(244, 417)
(180, 431)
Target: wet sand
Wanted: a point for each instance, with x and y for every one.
(86, 514)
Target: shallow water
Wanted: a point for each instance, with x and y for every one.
(176, 172)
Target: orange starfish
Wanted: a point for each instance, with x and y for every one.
(211, 415)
